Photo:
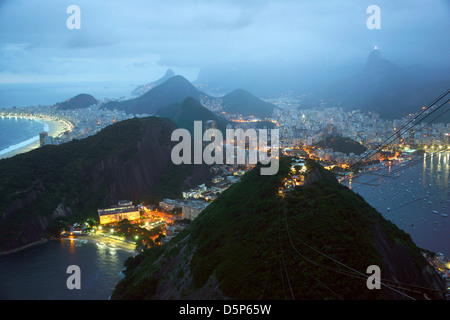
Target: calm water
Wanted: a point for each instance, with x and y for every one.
(39, 272)
(16, 132)
(33, 94)
(414, 198)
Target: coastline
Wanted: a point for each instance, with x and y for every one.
(55, 129)
(114, 243)
(99, 239)
(24, 247)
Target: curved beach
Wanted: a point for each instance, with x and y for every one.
(54, 129)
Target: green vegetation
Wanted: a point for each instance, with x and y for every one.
(140, 235)
(243, 102)
(250, 237)
(40, 180)
(184, 114)
(341, 144)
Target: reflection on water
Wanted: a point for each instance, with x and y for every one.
(414, 197)
(39, 272)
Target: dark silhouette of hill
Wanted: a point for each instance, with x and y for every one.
(390, 90)
(185, 113)
(174, 90)
(243, 102)
(341, 144)
(78, 102)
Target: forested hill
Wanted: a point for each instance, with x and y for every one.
(243, 102)
(341, 144)
(252, 243)
(130, 160)
(184, 114)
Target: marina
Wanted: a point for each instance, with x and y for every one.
(415, 196)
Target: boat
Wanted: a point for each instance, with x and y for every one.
(444, 215)
(435, 212)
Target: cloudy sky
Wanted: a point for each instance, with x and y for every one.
(138, 40)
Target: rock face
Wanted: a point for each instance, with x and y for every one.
(129, 160)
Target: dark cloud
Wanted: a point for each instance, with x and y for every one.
(120, 37)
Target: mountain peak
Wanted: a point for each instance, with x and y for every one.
(379, 65)
(171, 91)
(169, 74)
(139, 91)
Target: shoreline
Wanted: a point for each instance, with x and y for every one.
(94, 238)
(2, 253)
(55, 129)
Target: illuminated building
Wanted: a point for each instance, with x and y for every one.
(124, 210)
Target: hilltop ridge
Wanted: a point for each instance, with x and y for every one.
(235, 248)
(174, 90)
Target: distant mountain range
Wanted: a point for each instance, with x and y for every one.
(139, 91)
(390, 90)
(379, 85)
(173, 90)
(176, 89)
(78, 102)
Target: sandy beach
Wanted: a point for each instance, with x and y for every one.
(56, 128)
(100, 239)
(110, 242)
